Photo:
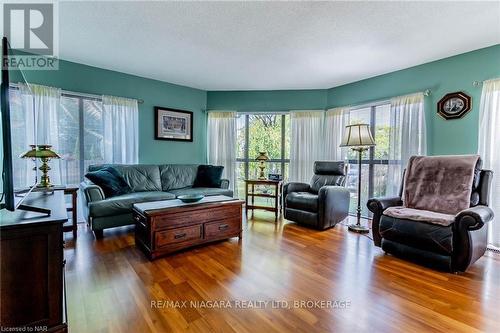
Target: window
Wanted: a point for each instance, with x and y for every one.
(261, 132)
(81, 136)
(77, 125)
(374, 165)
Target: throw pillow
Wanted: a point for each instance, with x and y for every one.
(208, 176)
(110, 180)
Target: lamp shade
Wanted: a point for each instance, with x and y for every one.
(262, 156)
(40, 151)
(358, 135)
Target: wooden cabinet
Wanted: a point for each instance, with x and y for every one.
(168, 226)
(32, 267)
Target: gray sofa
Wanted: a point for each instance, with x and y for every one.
(148, 183)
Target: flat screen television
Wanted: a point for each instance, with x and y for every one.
(12, 197)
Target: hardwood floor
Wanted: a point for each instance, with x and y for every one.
(111, 285)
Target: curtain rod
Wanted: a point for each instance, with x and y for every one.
(249, 111)
(80, 94)
(379, 101)
(478, 83)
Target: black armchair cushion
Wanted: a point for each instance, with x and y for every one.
(424, 236)
(318, 181)
(329, 168)
(302, 201)
(327, 173)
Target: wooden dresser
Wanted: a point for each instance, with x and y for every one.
(163, 227)
(32, 267)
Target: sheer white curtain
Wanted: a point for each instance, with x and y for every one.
(221, 143)
(306, 143)
(34, 113)
(489, 142)
(335, 122)
(120, 130)
(407, 136)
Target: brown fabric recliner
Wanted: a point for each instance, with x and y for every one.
(452, 247)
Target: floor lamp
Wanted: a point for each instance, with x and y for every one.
(359, 138)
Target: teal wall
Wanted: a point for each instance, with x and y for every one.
(443, 76)
(444, 136)
(458, 136)
(81, 78)
(271, 100)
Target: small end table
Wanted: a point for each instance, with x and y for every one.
(68, 190)
(276, 195)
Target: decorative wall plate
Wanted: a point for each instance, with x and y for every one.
(454, 105)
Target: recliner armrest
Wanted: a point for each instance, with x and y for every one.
(91, 191)
(224, 183)
(295, 187)
(474, 218)
(333, 204)
(377, 207)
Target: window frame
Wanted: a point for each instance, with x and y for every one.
(371, 161)
(246, 158)
(81, 127)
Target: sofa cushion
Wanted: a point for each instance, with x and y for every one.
(207, 191)
(302, 201)
(110, 180)
(421, 235)
(208, 176)
(140, 177)
(122, 204)
(175, 176)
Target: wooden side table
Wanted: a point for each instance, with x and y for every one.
(276, 195)
(68, 190)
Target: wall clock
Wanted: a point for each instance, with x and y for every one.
(454, 105)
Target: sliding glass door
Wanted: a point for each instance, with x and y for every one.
(262, 132)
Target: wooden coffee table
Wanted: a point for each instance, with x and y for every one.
(163, 227)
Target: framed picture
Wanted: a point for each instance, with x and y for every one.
(172, 124)
(454, 105)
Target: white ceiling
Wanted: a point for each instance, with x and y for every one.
(271, 45)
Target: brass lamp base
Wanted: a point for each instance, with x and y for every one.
(45, 179)
(262, 175)
(358, 228)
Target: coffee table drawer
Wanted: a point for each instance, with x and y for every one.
(222, 228)
(196, 216)
(178, 235)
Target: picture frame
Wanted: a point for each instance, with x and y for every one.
(454, 105)
(173, 124)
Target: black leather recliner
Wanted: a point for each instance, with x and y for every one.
(322, 203)
(450, 248)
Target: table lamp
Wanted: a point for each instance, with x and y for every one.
(45, 154)
(262, 158)
(359, 138)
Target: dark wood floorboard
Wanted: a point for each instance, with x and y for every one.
(110, 285)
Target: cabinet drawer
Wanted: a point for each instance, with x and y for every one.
(222, 228)
(178, 235)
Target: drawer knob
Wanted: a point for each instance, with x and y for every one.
(223, 227)
(177, 236)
